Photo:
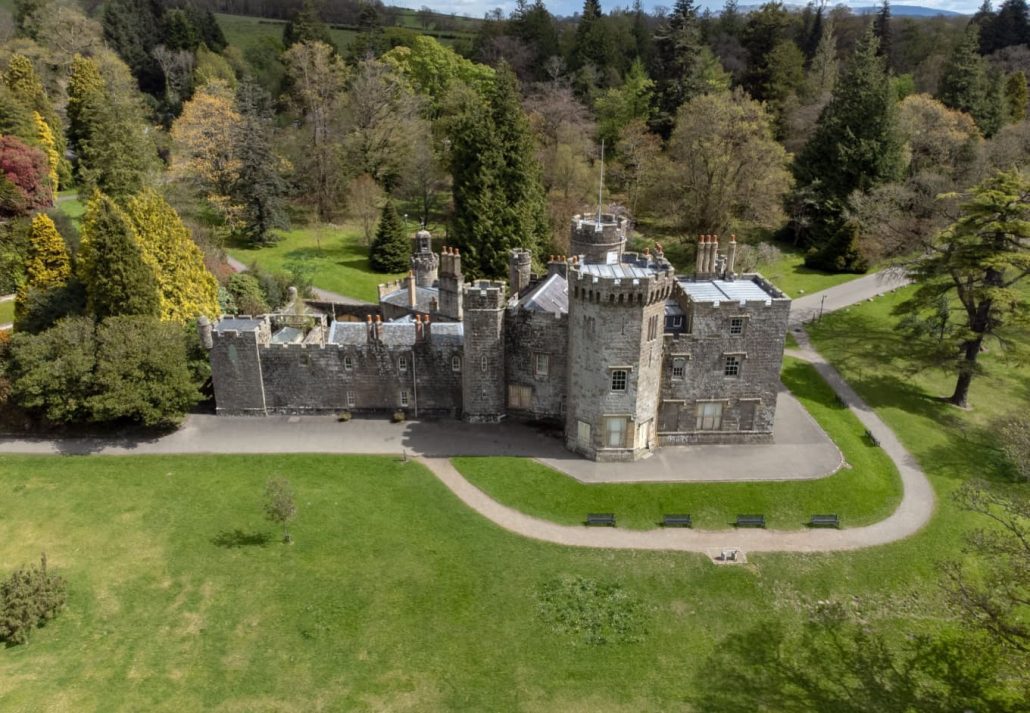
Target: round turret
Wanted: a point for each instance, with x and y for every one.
(598, 240)
(424, 262)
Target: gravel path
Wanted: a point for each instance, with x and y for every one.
(323, 295)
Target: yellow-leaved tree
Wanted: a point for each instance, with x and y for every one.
(49, 145)
(48, 266)
(187, 289)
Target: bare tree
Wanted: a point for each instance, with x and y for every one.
(364, 201)
(280, 507)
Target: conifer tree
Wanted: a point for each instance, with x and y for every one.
(822, 73)
(391, 249)
(882, 30)
(132, 28)
(259, 189)
(498, 198)
(677, 51)
(1015, 97)
(306, 26)
(15, 117)
(27, 89)
(49, 145)
(49, 264)
(187, 288)
(118, 279)
(856, 146)
(966, 86)
(594, 43)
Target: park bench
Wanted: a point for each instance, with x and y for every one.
(872, 439)
(750, 521)
(596, 519)
(677, 520)
(824, 521)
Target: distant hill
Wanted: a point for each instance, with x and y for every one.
(896, 10)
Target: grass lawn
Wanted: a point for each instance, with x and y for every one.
(7, 312)
(867, 491)
(337, 256)
(69, 204)
(244, 32)
(394, 596)
(790, 274)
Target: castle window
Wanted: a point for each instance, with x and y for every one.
(737, 325)
(350, 399)
(456, 363)
(402, 364)
(482, 363)
(519, 396)
(543, 364)
(732, 365)
(615, 432)
(709, 416)
(348, 363)
(679, 368)
(405, 397)
(619, 378)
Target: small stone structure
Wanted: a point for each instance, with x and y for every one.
(612, 347)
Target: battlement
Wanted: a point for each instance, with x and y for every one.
(484, 294)
(638, 279)
(594, 238)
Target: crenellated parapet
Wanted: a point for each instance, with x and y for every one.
(484, 295)
(598, 237)
(637, 280)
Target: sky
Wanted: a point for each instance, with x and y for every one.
(476, 8)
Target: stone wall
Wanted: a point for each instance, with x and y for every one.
(236, 372)
(528, 333)
(483, 390)
(749, 399)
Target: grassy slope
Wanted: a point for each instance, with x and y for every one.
(6, 312)
(867, 491)
(338, 257)
(790, 274)
(245, 32)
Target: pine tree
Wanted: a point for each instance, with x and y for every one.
(15, 117)
(498, 198)
(822, 73)
(677, 47)
(966, 86)
(983, 20)
(49, 145)
(132, 28)
(259, 189)
(85, 100)
(882, 30)
(28, 90)
(306, 26)
(593, 43)
(1011, 26)
(391, 249)
(856, 146)
(187, 288)
(1015, 97)
(118, 279)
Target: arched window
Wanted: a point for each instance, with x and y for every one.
(456, 363)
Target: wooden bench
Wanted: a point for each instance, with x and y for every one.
(872, 439)
(750, 521)
(599, 519)
(824, 521)
(677, 520)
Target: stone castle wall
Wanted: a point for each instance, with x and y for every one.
(527, 334)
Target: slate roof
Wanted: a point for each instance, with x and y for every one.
(423, 297)
(620, 270)
(234, 324)
(288, 335)
(395, 334)
(725, 291)
(551, 295)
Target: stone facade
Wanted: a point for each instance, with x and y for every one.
(619, 350)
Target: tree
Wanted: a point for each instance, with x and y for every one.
(993, 598)
(246, 294)
(118, 279)
(677, 51)
(1015, 97)
(593, 43)
(1013, 431)
(618, 106)
(26, 168)
(316, 80)
(187, 289)
(27, 89)
(49, 264)
(498, 200)
(141, 372)
(978, 261)
(822, 72)
(15, 118)
(882, 30)
(306, 26)
(259, 189)
(391, 249)
(434, 69)
(52, 372)
(766, 27)
(132, 28)
(967, 86)
(364, 203)
(725, 168)
(280, 507)
(29, 597)
(204, 147)
(212, 67)
(855, 147)
(939, 139)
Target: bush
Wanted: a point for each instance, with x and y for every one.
(247, 296)
(343, 416)
(398, 416)
(600, 613)
(29, 598)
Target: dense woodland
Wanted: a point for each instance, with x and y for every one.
(854, 138)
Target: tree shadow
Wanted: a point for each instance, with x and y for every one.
(233, 539)
(846, 668)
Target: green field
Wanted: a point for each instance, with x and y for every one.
(865, 492)
(244, 31)
(790, 274)
(7, 312)
(338, 258)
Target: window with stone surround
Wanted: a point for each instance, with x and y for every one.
(709, 416)
(619, 379)
(348, 363)
(679, 368)
(456, 363)
(405, 397)
(483, 363)
(541, 365)
(731, 367)
(615, 432)
(737, 326)
(402, 364)
(520, 396)
(350, 399)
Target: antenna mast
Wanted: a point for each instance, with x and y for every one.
(600, 188)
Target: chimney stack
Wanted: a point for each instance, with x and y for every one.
(731, 257)
(412, 293)
(698, 269)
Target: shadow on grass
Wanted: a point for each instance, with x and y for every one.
(233, 539)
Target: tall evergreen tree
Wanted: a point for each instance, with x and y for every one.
(534, 25)
(306, 26)
(1011, 25)
(882, 30)
(259, 189)
(856, 146)
(768, 26)
(390, 250)
(132, 28)
(46, 272)
(966, 86)
(677, 63)
(983, 19)
(118, 279)
(498, 198)
(1015, 97)
(594, 44)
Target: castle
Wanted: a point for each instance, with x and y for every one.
(611, 346)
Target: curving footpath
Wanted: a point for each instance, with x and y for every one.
(915, 510)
